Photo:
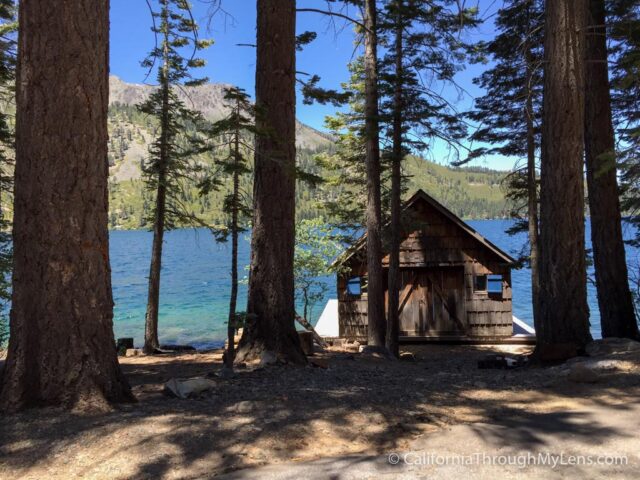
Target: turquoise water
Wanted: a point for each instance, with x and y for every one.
(195, 283)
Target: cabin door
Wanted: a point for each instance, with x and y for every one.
(432, 302)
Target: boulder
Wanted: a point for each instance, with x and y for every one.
(581, 373)
(611, 346)
(132, 352)
(189, 388)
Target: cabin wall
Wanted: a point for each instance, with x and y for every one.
(434, 244)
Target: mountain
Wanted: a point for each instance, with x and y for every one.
(469, 192)
(208, 99)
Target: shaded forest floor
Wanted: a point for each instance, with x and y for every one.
(358, 405)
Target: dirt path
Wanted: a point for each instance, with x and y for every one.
(276, 415)
(595, 442)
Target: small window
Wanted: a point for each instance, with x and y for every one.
(494, 284)
(353, 287)
(480, 283)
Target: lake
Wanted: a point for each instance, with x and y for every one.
(195, 283)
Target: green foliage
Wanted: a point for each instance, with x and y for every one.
(624, 56)
(171, 164)
(230, 142)
(513, 88)
(316, 248)
(470, 192)
(432, 52)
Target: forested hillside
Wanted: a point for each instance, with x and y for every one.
(469, 192)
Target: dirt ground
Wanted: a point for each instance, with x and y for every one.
(278, 414)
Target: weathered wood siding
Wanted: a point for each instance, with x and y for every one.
(438, 261)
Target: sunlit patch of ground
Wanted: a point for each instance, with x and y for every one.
(279, 414)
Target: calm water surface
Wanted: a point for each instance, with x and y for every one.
(195, 283)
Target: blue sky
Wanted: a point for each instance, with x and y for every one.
(131, 39)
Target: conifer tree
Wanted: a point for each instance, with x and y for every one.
(617, 315)
(375, 290)
(563, 290)
(232, 137)
(509, 115)
(61, 348)
(423, 53)
(270, 323)
(168, 165)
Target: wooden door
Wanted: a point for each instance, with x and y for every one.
(432, 302)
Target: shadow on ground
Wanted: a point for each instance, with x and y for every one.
(281, 414)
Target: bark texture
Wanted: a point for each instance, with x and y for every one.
(393, 316)
(617, 316)
(375, 286)
(563, 294)
(62, 350)
(151, 342)
(270, 309)
(532, 187)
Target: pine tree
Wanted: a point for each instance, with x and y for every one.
(233, 136)
(617, 315)
(563, 291)
(270, 324)
(624, 55)
(61, 349)
(375, 289)
(420, 45)
(343, 189)
(509, 115)
(170, 153)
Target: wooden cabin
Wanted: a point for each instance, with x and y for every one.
(455, 284)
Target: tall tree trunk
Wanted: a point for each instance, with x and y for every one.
(563, 289)
(617, 315)
(375, 283)
(231, 325)
(62, 350)
(151, 342)
(393, 320)
(532, 188)
(271, 313)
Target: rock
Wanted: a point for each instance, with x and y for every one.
(124, 344)
(608, 346)
(407, 357)
(188, 388)
(581, 373)
(132, 352)
(244, 407)
(605, 365)
(268, 358)
(376, 352)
